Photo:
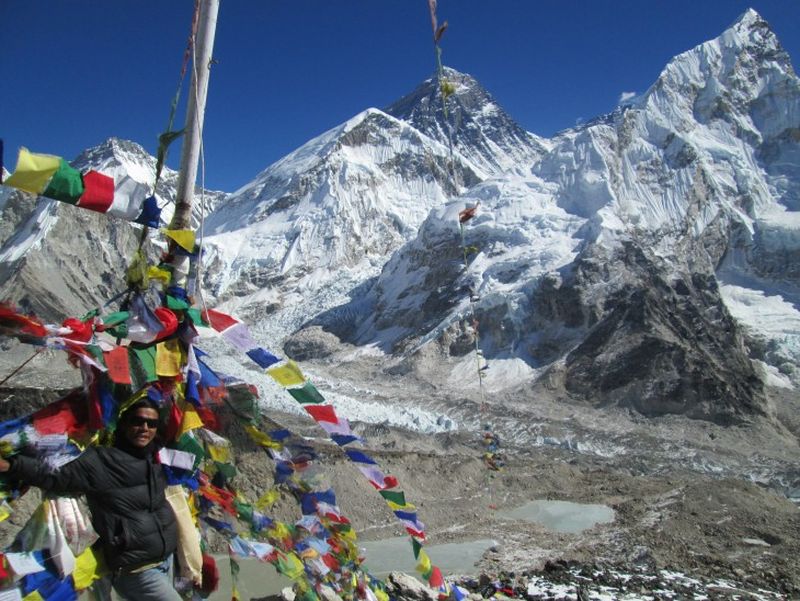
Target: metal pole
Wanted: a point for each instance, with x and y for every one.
(195, 113)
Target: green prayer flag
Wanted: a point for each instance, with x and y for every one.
(308, 394)
(398, 497)
(189, 443)
(243, 401)
(146, 358)
(113, 319)
(417, 546)
(226, 469)
(96, 352)
(244, 510)
(195, 316)
(66, 185)
(176, 303)
(234, 568)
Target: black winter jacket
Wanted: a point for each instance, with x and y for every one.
(125, 493)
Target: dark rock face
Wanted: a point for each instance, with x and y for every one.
(664, 346)
(478, 123)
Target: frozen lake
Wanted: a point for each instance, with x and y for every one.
(562, 516)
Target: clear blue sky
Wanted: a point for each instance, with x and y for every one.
(73, 73)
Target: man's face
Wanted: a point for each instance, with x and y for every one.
(140, 428)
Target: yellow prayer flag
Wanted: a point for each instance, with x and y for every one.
(34, 171)
(279, 531)
(156, 273)
(267, 499)
(219, 453)
(169, 358)
(262, 439)
(424, 564)
(396, 507)
(184, 238)
(5, 511)
(191, 420)
(381, 595)
(86, 569)
(287, 375)
(292, 567)
(33, 596)
(348, 535)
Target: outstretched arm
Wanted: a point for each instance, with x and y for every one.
(77, 476)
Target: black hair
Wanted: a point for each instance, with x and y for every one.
(141, 404)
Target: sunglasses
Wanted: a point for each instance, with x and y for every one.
(143, 421)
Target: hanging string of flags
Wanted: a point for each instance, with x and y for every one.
(161, 362)
(317, 550)
(287, 374)
(53, 177)
(447, 89)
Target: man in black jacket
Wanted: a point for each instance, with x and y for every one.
(124, 488)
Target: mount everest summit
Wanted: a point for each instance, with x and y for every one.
(644, 259)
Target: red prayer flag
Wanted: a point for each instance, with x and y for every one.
(415, 533)
(389, 482)
(219, 321)
(118, 366)
(98, 193)
(436, 579)
(467, 214)
(3, 572)
(173, 422)
(322, 413)
(330, 561)
(67, 415)
(28, 325)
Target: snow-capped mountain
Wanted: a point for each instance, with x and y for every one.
(475, 124)
(342, 203)
(645, 258)
(607, 267)
(59, 260)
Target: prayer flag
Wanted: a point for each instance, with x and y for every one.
(147, 360)
(221, 454)
(358, 456)
(217, 320)
(397, 497)
(66, 184)
(289, 565)
(176, 458)
(118, 365)
(98, 193)
(151, 213)
(424, 564)
(466, 214)
(321, 413)
(168, 358)
(436, 579)
(239, 337)
(33, 172)
(262, 439)
(262, 357)
(287, 375)
(190, 421)
(129, 198)
(342, 427)
(307, 394)
(373, 474)
(184, 238)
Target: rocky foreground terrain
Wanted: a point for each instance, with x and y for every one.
(699, 509)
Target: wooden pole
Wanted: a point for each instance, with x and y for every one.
(195, 113)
